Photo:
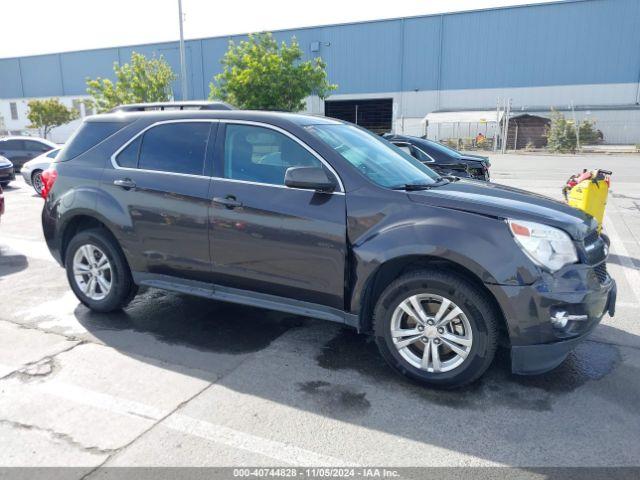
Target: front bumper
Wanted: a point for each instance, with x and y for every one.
(26, 174)
(536, 344)
(7, 174)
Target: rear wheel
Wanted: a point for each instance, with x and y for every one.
(36, 181)
(4, 184)
(98, 272)
(437, 328)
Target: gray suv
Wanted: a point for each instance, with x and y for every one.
(321, 218)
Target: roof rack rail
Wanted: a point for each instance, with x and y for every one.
(190, 105)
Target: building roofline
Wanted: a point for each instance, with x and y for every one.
(310, 27)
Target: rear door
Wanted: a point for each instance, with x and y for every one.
(161, 180)
(14, 150)
(269, 238)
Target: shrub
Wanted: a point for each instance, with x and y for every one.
(561, 134)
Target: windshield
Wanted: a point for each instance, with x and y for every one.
(380, 161)
(442, 148)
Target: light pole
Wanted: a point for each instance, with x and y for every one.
(183, 63)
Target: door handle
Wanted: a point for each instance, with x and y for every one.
(229, 201)
(125, 183)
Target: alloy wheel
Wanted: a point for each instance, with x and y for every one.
(92, 272)
(431, 333)
(37, 182)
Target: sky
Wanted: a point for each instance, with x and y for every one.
(32, 27)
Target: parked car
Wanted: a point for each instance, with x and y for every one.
(22, 149)
(32, 170)
(6, 171)
(320, 218)
(443, 159)
(1, 203)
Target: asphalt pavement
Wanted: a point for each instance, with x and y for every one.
(181, 381)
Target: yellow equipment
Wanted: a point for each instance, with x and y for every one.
(590, 194)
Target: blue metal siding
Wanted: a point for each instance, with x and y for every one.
(41, 75)
(10, 80)
(581, 42)
(77, 66)
(421, 53)
(558, 44)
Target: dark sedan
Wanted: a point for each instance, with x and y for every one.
(443, 159)
(7, 173)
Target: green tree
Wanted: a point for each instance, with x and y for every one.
(259, 74)
(588, 133)
(142, 80)
(561, 135)
(47, 114)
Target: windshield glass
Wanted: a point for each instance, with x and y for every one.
(382, 162)
(443, 148)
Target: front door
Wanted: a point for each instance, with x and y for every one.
(161, 182)
(270, 238)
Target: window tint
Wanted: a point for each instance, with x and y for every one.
(37, 146)
(259, 154)
(12, 145)
(128, 157)
(53, 153)
(175, 147)
(381, 161)
(87, 136)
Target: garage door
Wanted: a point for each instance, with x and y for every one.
(374, 115)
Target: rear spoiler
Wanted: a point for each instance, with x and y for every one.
(143, 107)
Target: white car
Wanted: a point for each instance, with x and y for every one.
(32, 170)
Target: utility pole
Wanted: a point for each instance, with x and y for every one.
(576, 126)
(183, 63)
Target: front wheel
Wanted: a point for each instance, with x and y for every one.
(98, 272)
(436, 327)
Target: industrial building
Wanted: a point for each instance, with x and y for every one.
(441, 75)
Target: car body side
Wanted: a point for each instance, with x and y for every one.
(385, 234)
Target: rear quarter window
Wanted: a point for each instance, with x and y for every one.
(88, 136)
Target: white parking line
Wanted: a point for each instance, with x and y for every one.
(617, 246)
(36, 249)
(280, 451)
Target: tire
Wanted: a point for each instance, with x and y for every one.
(95, 244)
(36, 181)
(4, 184)
(476, 326)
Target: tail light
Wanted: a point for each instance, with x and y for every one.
(49, 177)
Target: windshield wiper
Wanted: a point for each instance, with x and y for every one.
(411, 187)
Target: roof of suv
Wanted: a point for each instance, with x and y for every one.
(255, 115)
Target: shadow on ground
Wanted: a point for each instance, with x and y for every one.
(11, 262)
(345, 376)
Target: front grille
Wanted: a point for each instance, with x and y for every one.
(601, 272)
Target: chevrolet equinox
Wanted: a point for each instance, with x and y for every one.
(320, 218)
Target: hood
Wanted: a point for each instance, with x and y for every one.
(475, 158)
(505, 202)
(5, 162)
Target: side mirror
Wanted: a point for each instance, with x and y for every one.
(309, 178)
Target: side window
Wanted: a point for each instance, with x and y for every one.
(422, 156)
(128, 157)
(259, 154)
(404, 147)
(175, 147)
(53, 153)
(37, 146)
(12, 145)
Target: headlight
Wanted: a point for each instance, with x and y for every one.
(547, 246)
